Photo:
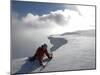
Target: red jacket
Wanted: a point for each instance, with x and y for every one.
(41, 52)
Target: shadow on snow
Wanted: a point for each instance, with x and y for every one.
(28, 67)
(56, 42)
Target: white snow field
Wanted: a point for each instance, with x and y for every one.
(71, 51)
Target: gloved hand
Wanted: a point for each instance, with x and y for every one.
(51, 55)
(50, 58)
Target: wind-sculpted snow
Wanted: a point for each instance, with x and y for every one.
(73, 52)
(57, 42)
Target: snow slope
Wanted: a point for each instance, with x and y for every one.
(70, 52)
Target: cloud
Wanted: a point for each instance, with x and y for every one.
(59, 20)
(55, 18)
(54, 22)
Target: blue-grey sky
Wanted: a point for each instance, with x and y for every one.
(38, 8)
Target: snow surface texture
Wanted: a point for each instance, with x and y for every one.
(71, 51)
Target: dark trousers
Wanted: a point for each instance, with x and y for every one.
(35, 58)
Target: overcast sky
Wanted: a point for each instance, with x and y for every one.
(52, 15)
